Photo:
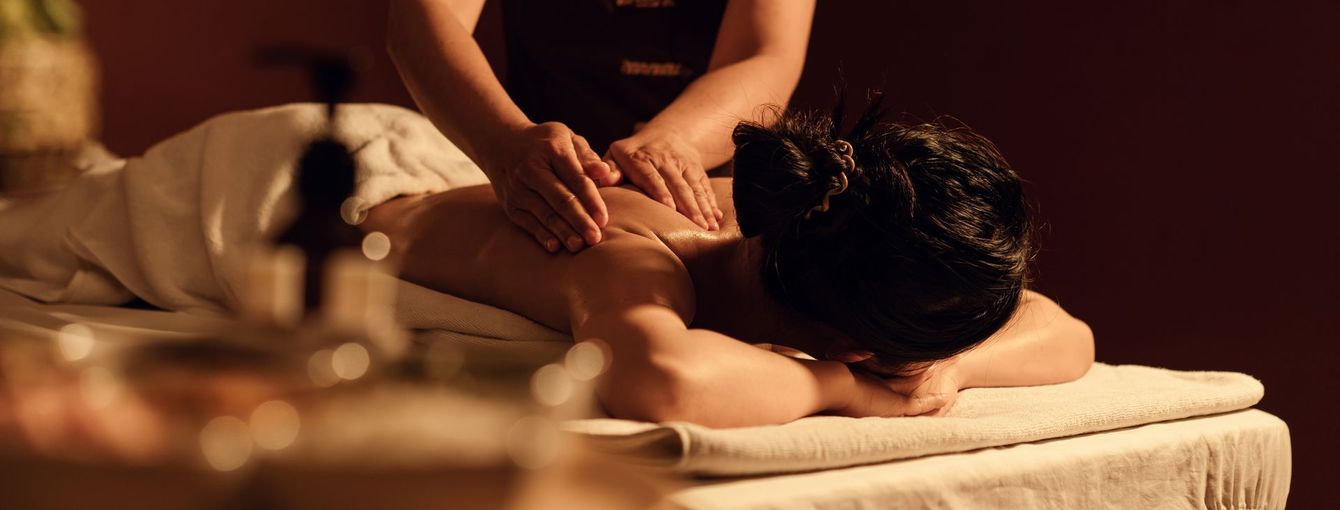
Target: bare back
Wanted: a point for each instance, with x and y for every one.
(460, 242)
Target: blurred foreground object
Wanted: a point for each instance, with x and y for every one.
(48, 95)
(105, 415)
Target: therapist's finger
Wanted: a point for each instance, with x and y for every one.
(616, 175)
(591, 216)
(643, 174)
(553, 219)
(567, 207)
(703, 194)
(519, 209)
(594, 168)
(527, 221)
(686, 198)
(552, 196)
(712, 198)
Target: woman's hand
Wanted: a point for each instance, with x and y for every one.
(543, 176)
(871, 396)
(939, 380)
(930, 391)
(668, 170)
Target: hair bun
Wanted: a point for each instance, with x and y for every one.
(786, 173)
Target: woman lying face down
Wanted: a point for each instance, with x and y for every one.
(895, 254)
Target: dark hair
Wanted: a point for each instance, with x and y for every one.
(923, 256)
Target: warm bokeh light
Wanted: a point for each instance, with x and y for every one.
(275, 425)
(99, 387)
(226, 443)
(321, 368)
(533, 442)
(354, 210)
(376, 246)
(586, 361)
(551, 385)
(350, 361)
(75, 341)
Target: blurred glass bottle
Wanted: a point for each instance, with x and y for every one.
(48, 94)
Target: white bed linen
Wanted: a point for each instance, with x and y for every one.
(1107, 398)
(1237, 461)
(176, 226)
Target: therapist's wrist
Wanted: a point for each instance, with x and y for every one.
(662, 132)
(499, 147)
(687, 135)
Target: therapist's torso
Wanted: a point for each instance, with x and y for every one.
(604, 66)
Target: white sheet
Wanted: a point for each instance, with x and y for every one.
(1108, 397)
(1237, 460)
(174, 226)
(1234, 461)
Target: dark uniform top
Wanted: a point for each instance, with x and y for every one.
(604, 66)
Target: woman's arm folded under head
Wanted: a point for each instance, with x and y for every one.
(1042, 344)
(633, 294)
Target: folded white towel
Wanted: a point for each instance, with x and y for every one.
(1108, 397)
(173, 226)
(426, 309)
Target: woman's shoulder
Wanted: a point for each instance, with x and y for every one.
(630, 209)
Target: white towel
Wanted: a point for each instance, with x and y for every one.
(1108, 397)
(173, 225)
(426, 309)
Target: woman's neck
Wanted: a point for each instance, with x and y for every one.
(731, 297)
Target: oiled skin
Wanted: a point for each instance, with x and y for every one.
(460, 242)
(678, 307)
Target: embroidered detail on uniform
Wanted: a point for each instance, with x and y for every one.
(638, 68)
(645, 4)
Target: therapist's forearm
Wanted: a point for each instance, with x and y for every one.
(708, 110)
(449, 78)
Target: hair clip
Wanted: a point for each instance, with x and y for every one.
(845, 151)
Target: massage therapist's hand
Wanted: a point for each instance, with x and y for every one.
(668, 170)
(542, 174)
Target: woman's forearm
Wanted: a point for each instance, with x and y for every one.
(711, 106)
(1042, 345)
(714, 380)
(449, 78)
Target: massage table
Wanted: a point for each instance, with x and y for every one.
(1230, 459)
(1238, 460)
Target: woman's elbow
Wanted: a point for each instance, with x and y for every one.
(650, 391)
(1081, 349)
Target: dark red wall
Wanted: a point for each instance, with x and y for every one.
(1182, 153)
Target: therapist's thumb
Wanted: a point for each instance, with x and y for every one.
(613, 174)
(597, 170)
